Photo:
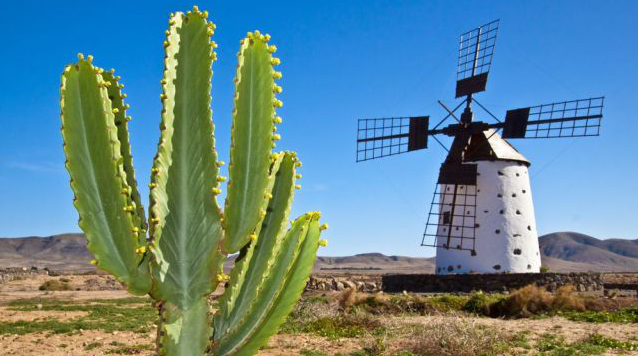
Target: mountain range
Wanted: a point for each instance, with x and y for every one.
(561, 252)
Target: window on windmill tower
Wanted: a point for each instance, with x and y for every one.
(446, 217)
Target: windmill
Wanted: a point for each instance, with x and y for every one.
(481, 218)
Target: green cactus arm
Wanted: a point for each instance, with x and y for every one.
(244, 281)
(98, 179)
(116, 96)
(251, 141)
(184, 332)
(277, 293)
(291, 291)
(185, 219)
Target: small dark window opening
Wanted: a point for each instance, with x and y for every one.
(513, 195)
(477, 225)
(518, 212)
(500, 173)
(524, 191)
(517, 251)
(529, 227)
(446, 217)
(450, 268)
(497, 231)
(497, 267)
(518, 175)
(529, 266)
(502, 211)
(499, 195)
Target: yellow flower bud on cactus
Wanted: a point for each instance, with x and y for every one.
(323, 243)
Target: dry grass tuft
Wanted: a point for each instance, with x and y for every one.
(457, 337)
(55, 285)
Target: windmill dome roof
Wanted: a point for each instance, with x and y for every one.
(489, 146)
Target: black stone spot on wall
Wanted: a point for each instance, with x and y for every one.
(529, 266)
(517, 235)
(497, 231)
(518, 175)
(524, 191)
(450, 268)
(478, 190)
(502, 211)
(486, 211)
(499, 195)
(477, 225)
(468, 212)
(497, 267)
(457, 228)
(513, 195)
(458, 266)
(500, 173)
(444, 229)
(518, 212)
(448, 189)
(517, 251)
(529, 227)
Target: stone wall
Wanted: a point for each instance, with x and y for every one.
(465, 283)
(362, 283)
(10, 274)
(460, 283)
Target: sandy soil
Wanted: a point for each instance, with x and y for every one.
(92, 342)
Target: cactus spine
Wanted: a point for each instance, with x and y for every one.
(176, 257)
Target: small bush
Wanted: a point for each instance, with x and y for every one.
(532, 300)
(480, 303)
(54, 285)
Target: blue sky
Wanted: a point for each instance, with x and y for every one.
(341, 60)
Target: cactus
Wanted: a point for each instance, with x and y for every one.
(176, 257)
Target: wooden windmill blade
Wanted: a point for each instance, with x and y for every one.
(476, 49)
(383, 137)
(573, 118)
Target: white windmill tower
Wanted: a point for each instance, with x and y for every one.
(481, 218)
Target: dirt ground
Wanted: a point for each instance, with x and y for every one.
(97, 342)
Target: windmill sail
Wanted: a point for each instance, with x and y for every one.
(451, 221)
(383, 137)
(574, 118)
(475, 59)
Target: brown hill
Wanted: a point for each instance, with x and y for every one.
(561, 252)
(571, 251)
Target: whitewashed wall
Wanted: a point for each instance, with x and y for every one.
(505, 232)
